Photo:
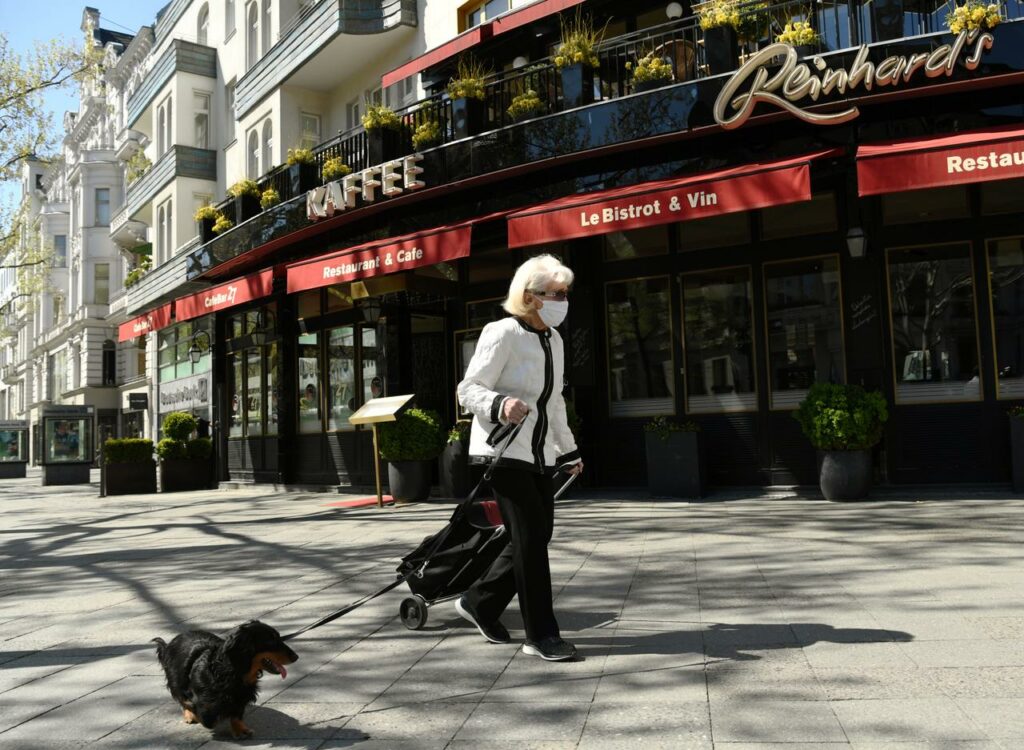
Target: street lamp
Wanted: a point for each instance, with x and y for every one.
(266, 324)
(371, 310)
(195, 353)
(856, 242)
(674, 11)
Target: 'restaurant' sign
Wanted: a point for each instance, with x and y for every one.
(375, 259)
(154, 320)
(393, 178)
(244, 289)
(654, 204)
(798, 85)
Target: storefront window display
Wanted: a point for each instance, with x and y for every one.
(803, 315)
(1006, 284)
(341, 377)
(719, 342)
(236, 382)
(309, 382)
(173, 346)
(13, 445)
(67, 440)
(934, 333)
(253, 392)
(253, 376)
(640, 369)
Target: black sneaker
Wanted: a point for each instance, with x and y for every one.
(550, 649)
(494, 632)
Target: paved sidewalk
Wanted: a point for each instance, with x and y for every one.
(738, 622)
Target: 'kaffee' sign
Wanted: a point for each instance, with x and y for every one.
(796, 85)
(393, 178)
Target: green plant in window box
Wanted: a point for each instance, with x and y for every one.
(200, 448)
(184, 462)
(426, 135)
(127, 450)
(381, 117)
(222, 224)
(662, 427)
(206, 212)
(128, 466)
(269, 198)
(335, 168)
(675, 458)
(459, 433)
(453, 464)
(409, 445)
(526, 105)
(579, 43)
(468, 82)
(179, 425)
(243, 188)
(169, 449)
(650, 69)
(798, 34)
(300, 156)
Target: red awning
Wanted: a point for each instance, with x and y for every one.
(235, 292)
(154, 320)
(649, 204)
(964, 158)
(500, 25)
(382, 257)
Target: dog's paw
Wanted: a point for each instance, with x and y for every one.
(239, 730)
(190, 718)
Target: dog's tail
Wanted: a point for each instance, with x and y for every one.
(161, 648)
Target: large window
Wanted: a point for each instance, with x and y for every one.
(803, 310)
(164, 127)
(60, 251)
(1006, 285)
(310, 130)
(229, 18)
(101, 283)
(253, 376)
(934, 335)
(102, 207)
(309, 382)
(252, 154)
(173, 345)
(640, 370)
(203, 25)
(341, 377)
(475, 14)
(201, 119)
(719, 341)
(265, 26)
(252, 34)
(229, 104)
(268, 144)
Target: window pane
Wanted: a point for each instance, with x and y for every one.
(925, 205)
(341, 393)
(805, 341)
(640, 348)
(101, 283)
(373, 365)
(718, 326)
(479, 314)
(309, 383)
(495, 7)
(236, 387)
(272, 376)
(1002, 196)
(202, 120)
(1006, 275)
(814, 217)
(60, 251)
(935, 346)
(714, 231)
(102, 206)
(637, 243)
(253, 392)
(68, 440)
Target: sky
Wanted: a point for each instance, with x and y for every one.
(28, 21)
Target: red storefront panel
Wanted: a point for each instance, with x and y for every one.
(665, 201)
(964, 158)
(154, 320)
(237, 292)
(377, 258)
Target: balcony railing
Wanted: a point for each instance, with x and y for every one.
(682, 43)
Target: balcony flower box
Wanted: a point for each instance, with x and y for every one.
(577, 86)
(246, 207)
(128, 466)
(205, 230)
(469, 117)
(721, 49)
(302, 178)
(383, 144)
(675, 459)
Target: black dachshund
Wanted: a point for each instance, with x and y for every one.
(216, 678)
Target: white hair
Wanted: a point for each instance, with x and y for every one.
(536, 273)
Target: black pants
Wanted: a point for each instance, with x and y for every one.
(528, 509)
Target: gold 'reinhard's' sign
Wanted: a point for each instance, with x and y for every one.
(794, 81)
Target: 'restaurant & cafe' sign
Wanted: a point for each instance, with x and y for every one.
(794, 83)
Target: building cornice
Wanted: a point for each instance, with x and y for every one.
(133, 56)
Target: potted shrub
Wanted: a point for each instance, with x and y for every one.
(525, 106)
(334, 169)
(454, 461)
(466, 90)
(301, 170)
(843, 422)
(719, 19)
(409, 445)
(650, 72)
(184, 462)
(1017, 447)
(675, 458)
(128, 466)
(576, 59)
(206, 217)
(269, 198)
(222, 224)
(426, 135)
(800, 36)
(246, 194)
(972, 16)
(383, 133)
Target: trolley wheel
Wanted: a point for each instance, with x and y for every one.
(413, 611)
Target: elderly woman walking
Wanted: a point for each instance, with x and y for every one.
(516, 376)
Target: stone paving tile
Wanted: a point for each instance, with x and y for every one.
(943, 745)
(786, 683)
(980, 682)
(918, 719)
(852, 683)
(435, 720)
(969, 653)
(781, 745)
(775, 721)
(679, 725)
(655, 684)
(512, 745)
(525, 721)
(824, 655)
(999, 718)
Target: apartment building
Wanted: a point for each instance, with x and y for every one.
(741, 225)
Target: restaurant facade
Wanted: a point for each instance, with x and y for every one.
(852, 216)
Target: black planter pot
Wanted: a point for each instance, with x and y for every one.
(12, 469)
(675, 467)
(844, 475)
(577, 86)
(455, 474)
(469, 117)
(1017, 452)
(639, 88)
(721, 49)
(409, 481)
(184, 474)
(383, 144)
(302, 178)
(135, 478)
(205, 227)
(246, 206)
(804, 51)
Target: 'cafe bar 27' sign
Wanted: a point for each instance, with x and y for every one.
(795, 82)
(392, 177)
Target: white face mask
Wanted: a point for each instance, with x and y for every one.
(554, 312)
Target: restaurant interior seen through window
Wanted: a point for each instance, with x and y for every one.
(254, 373)
(640, 347)
(1006, 280)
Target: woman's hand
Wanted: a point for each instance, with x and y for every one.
(575, 469)
(515, 410)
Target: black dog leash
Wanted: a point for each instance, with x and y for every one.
(509, 435)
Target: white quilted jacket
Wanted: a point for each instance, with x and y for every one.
(513, 359)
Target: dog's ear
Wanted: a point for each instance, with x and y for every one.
(239, 647)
